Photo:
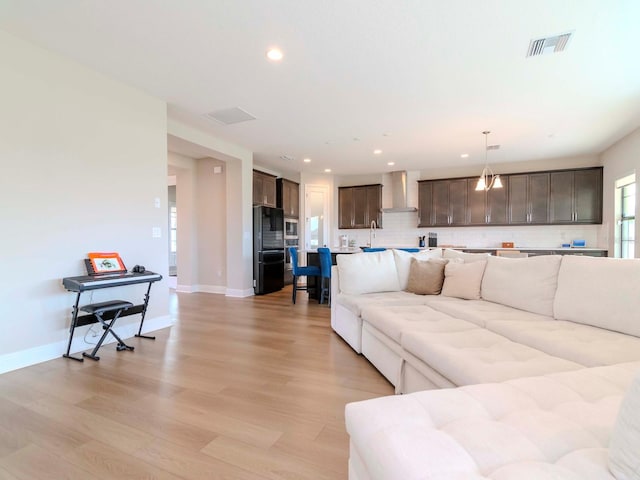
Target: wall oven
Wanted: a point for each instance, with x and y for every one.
(291, 228)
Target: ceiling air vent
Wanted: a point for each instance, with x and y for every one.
(493, 147)
(541, 46)
(229, 116)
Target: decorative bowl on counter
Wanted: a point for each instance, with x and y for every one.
(507, 244)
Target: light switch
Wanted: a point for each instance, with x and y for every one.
(156, 232)
(156, 202)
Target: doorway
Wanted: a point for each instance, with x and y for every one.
(173, 231)
(317, 221)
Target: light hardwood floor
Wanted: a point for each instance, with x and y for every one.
(250, 388)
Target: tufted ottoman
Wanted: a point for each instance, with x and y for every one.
(555, 426)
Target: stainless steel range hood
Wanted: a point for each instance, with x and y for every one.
(399, 193)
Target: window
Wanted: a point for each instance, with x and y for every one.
(627, 220)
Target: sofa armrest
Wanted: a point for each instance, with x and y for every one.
(335, 282)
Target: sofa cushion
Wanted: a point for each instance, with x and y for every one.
(426, 276)
(367, 272)
(525, 283)
(403, 262)
(602, 292)
(551, 427)
(465, 257)
(624, 450)
(393, 321)
(463, 280)
(583, 344)
(478, 356)
(355, 303)
(481, 312)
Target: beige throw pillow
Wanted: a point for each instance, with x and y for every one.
(463, 280)
(426, 276)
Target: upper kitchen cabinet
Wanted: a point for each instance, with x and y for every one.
(486, 207)
(264, 189)
(425, 204)
(358, 206)
(529, 198)
(442, 203)
(288, 197)
(539, 198)
(576, 196)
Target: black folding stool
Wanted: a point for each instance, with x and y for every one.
(98, 309)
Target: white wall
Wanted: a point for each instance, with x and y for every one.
(619, 160)
(84, 158)
(184, 169)
(238, 168)
(212, 220)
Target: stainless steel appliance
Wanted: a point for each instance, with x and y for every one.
(290, 228)
(268, 249)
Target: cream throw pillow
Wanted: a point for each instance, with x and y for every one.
(367, 273)
(466, 257)
(463, 280)
(426, 276)
(403, 262)
(624, 447)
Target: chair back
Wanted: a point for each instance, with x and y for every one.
(324, 254)
(293, 252)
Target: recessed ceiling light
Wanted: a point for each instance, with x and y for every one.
(377, 151)
(275, 54)
(306, 160)
(391, 163)
(327, 170)
(464, 155)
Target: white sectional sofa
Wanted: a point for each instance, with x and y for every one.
(561, 334)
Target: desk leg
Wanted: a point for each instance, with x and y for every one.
(144, 312)
(72, 328)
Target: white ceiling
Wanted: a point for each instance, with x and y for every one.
(419, 79)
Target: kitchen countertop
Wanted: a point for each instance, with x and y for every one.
(456, 247)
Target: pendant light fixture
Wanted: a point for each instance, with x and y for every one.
(488, 179)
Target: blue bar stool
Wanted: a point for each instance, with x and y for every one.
(324, 254)
(373, 249)
(299, 271)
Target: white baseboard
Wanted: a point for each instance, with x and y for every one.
(235, 292)
(211, 289)
(219, 289)
(43, 353)
(185, 288)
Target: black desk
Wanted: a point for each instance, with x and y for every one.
(87, 283)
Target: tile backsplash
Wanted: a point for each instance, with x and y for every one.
(400, 231)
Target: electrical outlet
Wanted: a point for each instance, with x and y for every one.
(156, 232)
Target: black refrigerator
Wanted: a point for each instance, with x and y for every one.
(268, 249)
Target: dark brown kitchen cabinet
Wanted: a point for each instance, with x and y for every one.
(575, 196)
(449, 202)
(425, 204)
(288, 197)
(358, 206)
(528, 199)
(537, 198)
(264, 189)
(497, 204)
(486, 207)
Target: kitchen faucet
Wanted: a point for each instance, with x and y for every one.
(372, 232)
